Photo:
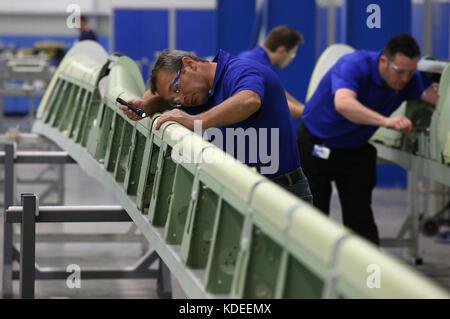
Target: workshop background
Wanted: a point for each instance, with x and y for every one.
(141, 29)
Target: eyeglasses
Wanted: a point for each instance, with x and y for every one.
(401, 72)
(176, 88)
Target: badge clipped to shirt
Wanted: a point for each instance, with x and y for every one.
(321, 151)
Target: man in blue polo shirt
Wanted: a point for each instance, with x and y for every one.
(234, 95)
(352, 101)
(279, 49)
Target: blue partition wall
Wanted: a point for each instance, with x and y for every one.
(142, 34)
(235, 23)
(197, 31)
(139, 34)
(440, 30)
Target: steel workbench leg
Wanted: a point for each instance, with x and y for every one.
(7, 262)
(413, 206)
(164, 284)
(28, 246)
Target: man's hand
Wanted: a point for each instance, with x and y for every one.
(177, 116)
(140, 104)
(398, 123)
(149, 103)
(430, 95)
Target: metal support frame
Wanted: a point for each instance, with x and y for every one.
(416, 166)
(8, 228)
(55, 158)
(410, 224)
(30, 213)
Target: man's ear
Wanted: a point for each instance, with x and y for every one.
(383, 59)
(281, 49)
(188, 62)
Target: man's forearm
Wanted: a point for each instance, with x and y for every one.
(357, 113)
(233, 110)
(295, 106)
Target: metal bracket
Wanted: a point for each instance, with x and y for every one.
(330, 285)
(249, 217)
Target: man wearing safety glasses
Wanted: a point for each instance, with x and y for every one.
(230, 97)
(352, 101)
(278, 51)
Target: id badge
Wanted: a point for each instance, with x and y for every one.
(321, 151)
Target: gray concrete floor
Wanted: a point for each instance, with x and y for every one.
(389, 207)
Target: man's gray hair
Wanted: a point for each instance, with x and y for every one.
(170, 61)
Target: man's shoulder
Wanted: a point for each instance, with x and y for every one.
(240, 63)
(360, 63)
(360, 57)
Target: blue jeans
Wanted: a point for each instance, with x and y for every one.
(301, 189)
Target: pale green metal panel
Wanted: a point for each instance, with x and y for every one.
(113, 145)
(147, 173)
(300, 282)
(162, 188)
(132, 177)
(77, 114)
(221, 264)
(179, 205)
(123, 152)
(198, 231)
(443, 126)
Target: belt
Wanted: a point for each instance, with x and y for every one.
(290, 178)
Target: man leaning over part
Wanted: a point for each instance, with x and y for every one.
(229, 93)
(279, 50)
(352, 101)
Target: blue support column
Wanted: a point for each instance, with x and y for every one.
(235, 22)
(417, 21)
(440, 30)
(300, 15)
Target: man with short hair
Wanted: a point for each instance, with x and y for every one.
(86, 33)
(279, 49)
(352, 101)
(230, 94)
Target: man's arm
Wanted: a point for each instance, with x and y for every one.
(233, 110)
(430, 95)
(348, 106)
(295, 106)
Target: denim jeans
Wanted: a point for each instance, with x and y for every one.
(301, 189)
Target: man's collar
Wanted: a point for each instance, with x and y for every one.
(221, 59)
(376, 77)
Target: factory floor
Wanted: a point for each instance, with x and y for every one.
(389, 205)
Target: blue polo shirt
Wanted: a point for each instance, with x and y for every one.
(357, 71)
(259, 55)
(88, 35)
(270, 144)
